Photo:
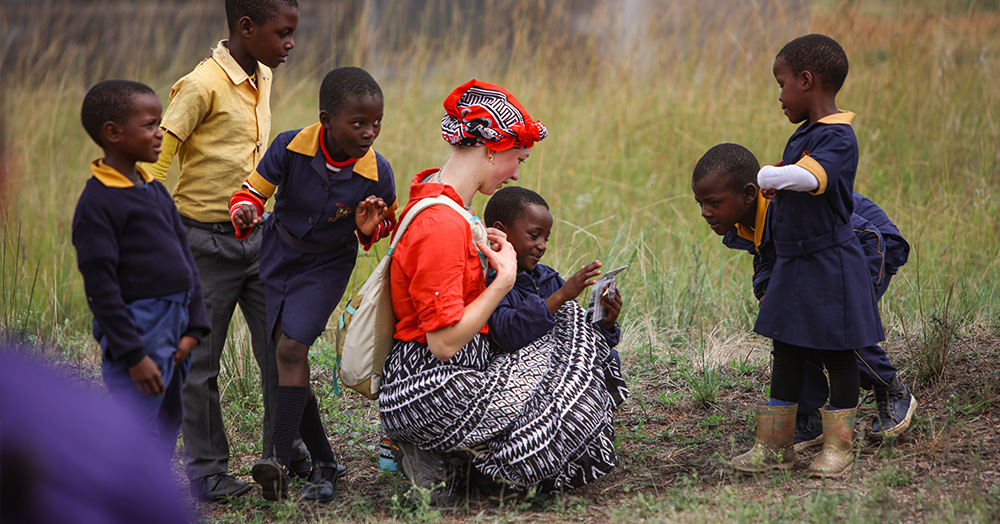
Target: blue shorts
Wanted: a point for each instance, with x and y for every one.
(160, 321)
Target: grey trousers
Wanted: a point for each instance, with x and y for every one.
(229, 277)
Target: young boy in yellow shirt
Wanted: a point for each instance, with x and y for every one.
(217, 124)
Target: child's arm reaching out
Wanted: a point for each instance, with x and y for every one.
(574, 285)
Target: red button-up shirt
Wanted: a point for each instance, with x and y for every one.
(435, 269)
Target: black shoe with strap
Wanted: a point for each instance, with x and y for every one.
(219, 487)
(322, 482)
(272, 477)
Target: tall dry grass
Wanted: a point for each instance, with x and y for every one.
(632, 93)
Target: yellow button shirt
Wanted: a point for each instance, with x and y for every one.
(223, 122)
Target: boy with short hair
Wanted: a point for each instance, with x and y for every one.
(528, 311)
(725, 186)
(141, 281)
(218, 123)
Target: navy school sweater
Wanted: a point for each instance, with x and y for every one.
(130, 245)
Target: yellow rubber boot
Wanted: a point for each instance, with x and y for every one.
(773, 448)
(837, 456)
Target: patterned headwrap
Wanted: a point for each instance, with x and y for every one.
(480, 113)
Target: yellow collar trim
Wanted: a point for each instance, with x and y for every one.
(843, 117)
(236, 74)
(307, 143)
(757, 233)
(111, 177)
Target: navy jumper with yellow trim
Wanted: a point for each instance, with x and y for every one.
(306, 275)
(820, 294)
(886, 251)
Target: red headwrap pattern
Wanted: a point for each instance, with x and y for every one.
(480, 113)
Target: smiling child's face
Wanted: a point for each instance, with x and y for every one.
(529, 234)
(721, 205)
(141, 134)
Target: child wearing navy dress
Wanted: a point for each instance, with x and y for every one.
(725, 187)
(333, 190)
(819, 296)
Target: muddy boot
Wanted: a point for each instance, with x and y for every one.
(434, 471)
(837, 456)
(773, 448)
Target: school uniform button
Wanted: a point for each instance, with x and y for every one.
(310, 220)
(777, 217)
(326, 188)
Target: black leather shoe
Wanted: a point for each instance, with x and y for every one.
(219, 487)
(272, 477)
(322, 482)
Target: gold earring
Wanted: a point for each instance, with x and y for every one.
(489, 155)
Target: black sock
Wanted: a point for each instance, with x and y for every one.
(313, 434)
(289, 403)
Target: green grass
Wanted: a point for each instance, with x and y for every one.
(631, 104)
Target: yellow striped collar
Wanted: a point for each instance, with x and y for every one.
(307, 143)
(843, 117)
(757, 233)
(111, 177)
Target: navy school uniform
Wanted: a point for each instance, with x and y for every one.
(885, 250)
(142, 286)
(522, 316)
(819, 295)
(310, 241)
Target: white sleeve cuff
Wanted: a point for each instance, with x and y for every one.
(793, 177)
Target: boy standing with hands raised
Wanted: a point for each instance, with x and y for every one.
(218, 123)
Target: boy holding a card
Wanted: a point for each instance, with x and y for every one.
(529, 309)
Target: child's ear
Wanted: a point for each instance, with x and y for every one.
(750, 192)
(499, 225)
(324, 118)
(111, 132)
(807, 79)
(246, 26)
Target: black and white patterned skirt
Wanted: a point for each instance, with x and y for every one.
(540, 416)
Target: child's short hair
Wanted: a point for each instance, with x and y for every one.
(109, 101)
(343, 83)
(508, 203)
(733, 161)
(260, 11)
(820, 55)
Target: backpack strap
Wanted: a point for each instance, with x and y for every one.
(475, 224)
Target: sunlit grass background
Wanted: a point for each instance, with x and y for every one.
(632, 92)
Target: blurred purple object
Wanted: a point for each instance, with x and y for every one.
(70, 454)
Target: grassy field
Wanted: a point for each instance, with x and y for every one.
(632, 93)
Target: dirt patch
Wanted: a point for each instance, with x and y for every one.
(671, 446)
